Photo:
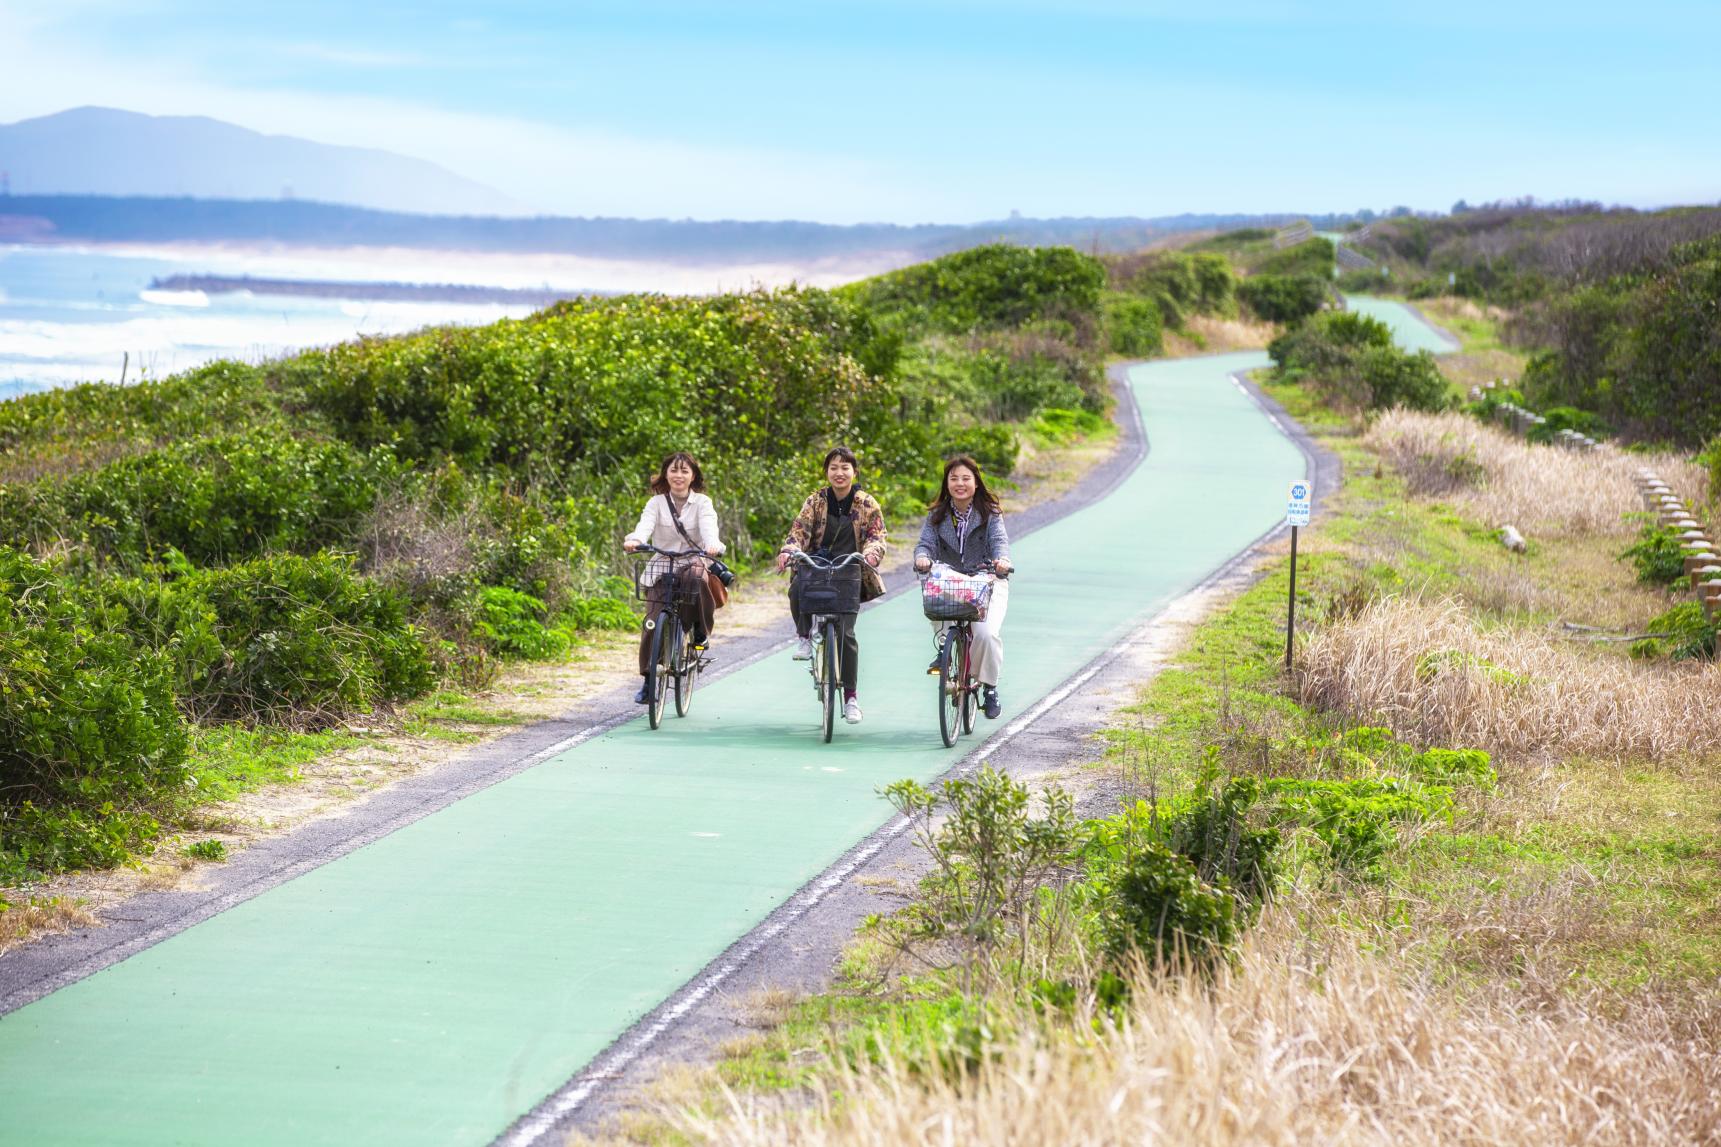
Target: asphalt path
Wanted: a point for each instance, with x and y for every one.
(451, 968)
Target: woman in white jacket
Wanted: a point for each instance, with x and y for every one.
(679, 516)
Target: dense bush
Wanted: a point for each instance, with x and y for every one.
(1355, 818)
(288, 639)
(213, 499)
(1310, 257)
(1133, 325)
(1151, 900)
(227, 395)
(1351, 361)
(1682, 633)
(89, 734)
(1180, 283)
(1559, 418)
(610, 385)
(987, 288)
(1282, 298)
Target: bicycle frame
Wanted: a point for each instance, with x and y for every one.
(825, 667)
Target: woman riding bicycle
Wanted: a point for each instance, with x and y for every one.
(965, 530)
(678, 516)
(835, 521)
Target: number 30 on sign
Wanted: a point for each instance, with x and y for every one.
(1297, 509)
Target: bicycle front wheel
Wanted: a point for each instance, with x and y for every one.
(663, 638)
(686, 675)
(951, 661)
(833, 679)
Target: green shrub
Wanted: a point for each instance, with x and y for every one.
(1311, 257)
(1453, 767)
(511, 623)
(1560, 418)
(1355, 818)
(286, 639)
(995, 447)
(1657, 555)
(1059, 427)
(1351, 361)
(213, 499)
(89, 734)
(210, 850)
(1282, 298)
(1133, 325)
(986, 288)
(1687, 635)
(1152, 901)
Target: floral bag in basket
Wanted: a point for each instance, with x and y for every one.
(951, 595)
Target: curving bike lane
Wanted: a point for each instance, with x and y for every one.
(436, 984)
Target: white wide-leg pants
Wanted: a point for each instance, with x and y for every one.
(988, 655)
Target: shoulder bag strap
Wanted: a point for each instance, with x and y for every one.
(676, 516)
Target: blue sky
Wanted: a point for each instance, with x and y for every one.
(942, 110)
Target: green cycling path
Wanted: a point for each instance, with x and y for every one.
(432, 986)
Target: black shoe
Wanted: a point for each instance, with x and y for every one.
(990, 705)
(640, 698)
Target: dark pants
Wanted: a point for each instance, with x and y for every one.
(850, 649)
(698, 610)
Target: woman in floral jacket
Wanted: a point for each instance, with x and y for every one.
(834, 521)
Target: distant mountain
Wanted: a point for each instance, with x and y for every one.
(103, 151)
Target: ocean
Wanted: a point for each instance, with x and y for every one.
(70, 315)
(88, 314)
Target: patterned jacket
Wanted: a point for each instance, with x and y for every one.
(809, 527)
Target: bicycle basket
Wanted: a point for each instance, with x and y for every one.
(830, 591)
(949, 595)
(656, 568)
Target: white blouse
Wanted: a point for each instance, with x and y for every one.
(657, 526)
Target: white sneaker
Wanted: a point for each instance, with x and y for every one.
(851, 711)
(803, 649)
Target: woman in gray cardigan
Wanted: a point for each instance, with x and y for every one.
(965, 530)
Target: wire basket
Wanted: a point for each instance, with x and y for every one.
(655, 578)
(949, 595)
(830, 591)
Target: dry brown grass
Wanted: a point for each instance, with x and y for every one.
(1308, 1040)
(1438, 677)
(41, 916)
(1503, 480)
(1209, 334)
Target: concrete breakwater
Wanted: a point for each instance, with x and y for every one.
(387, 292)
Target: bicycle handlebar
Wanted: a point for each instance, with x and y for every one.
(987, 566)
(823, 563)
(648, 548)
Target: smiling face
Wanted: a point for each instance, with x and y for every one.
(960, 482)
(680, 478)
(840, 473)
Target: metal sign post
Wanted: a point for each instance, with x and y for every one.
(1296, 516)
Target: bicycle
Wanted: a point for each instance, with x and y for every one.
(828, 591)
(958, 688)
(675, 661)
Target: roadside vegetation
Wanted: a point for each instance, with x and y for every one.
(284, 548)
(1615, 308)
(1451, 877)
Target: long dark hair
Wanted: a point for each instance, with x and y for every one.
(660, 484)
(985, 499)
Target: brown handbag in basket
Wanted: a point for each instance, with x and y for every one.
(719, 591)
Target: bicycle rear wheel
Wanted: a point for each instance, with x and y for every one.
(833, 678)
(657, 685)
(686, 676)
(951, 659)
